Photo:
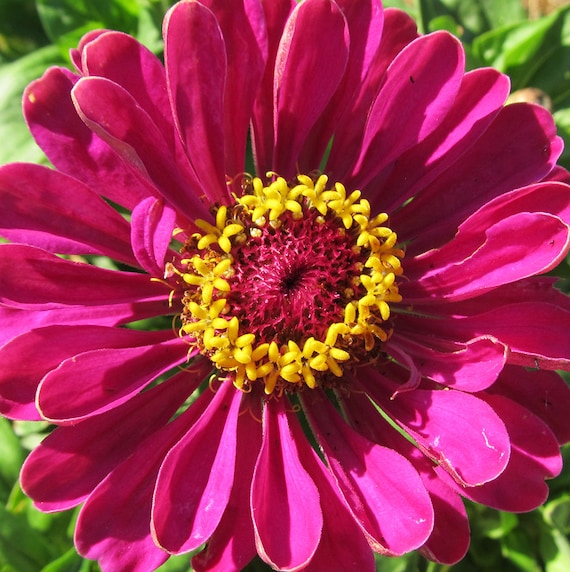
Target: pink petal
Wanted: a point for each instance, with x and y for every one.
(342, 545)
(544, 393)
(449, 512)
(71, 146)
(457, 430)
(63, 470)
(20, 375)
(398, 31)
(320, 60)
(125, 61)
(232, 545)
(196, 90)
(115, 376)
(481, 96)
(519, 148)
(152, 225)
(76, 54)
(382, 489)
(450, 537)
(114, 115)
(245, 37)
(418, 90)
(535, 456)
(46, 281)
(195, 479)
(365, 22)
(114, 525)
(285, 505)
(559, 174)
(550, 197)
(471, 366)
(528, 290)
(533, 331)
(47, 209)
(478, 260)
(16, 321)
(276, 15)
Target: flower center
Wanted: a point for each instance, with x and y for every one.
(291, 285)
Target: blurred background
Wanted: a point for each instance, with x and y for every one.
(527, 39)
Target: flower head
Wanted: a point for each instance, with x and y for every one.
(347, 337)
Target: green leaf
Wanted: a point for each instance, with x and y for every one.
(408, 6)
(66, 21)
(17, 143)
(69, 562)
(533, 54)
(555, 551)
(471, 17)
(20, 29)
(557, 514)
(406, 563)
(562, 119)
(517, 548)
(20, 545)
(502, 13)
(176, 564)
(12, 456)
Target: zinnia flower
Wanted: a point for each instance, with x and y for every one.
(356, 328)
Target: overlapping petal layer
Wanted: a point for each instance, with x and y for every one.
(167, 455)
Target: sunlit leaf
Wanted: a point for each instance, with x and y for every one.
(20, 545)
(20, 29)
(17, 143)
(12, 457)
(66, 21)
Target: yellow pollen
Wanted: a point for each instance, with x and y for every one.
(208, 317)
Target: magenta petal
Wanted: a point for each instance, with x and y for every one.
(525, 327)
(478, 260)
(285, 505)
(152, 225)
(232, 545)
(76, 54)
(71, 146)
(535, 456)
(450, 515)
(457, 430)
(20, 375)
(125, 61)
(71, 461)
(418, 90)
(245, 37)
(382, 489)
(365, 23)
(481, 96)
(449, 512)
(321, 64)
(17, 321)
(115, 375)
(398, 30)
(195, 480)
(343, 545)
(113, 114)
(46, 281)
(544, 393)
(47, 209)
(471, 366)
(114, 525)
(276, 15)
(196, 89)
(519, 148)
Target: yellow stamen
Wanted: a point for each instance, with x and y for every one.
(281, 364)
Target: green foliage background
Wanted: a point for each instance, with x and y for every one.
(35, 34)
